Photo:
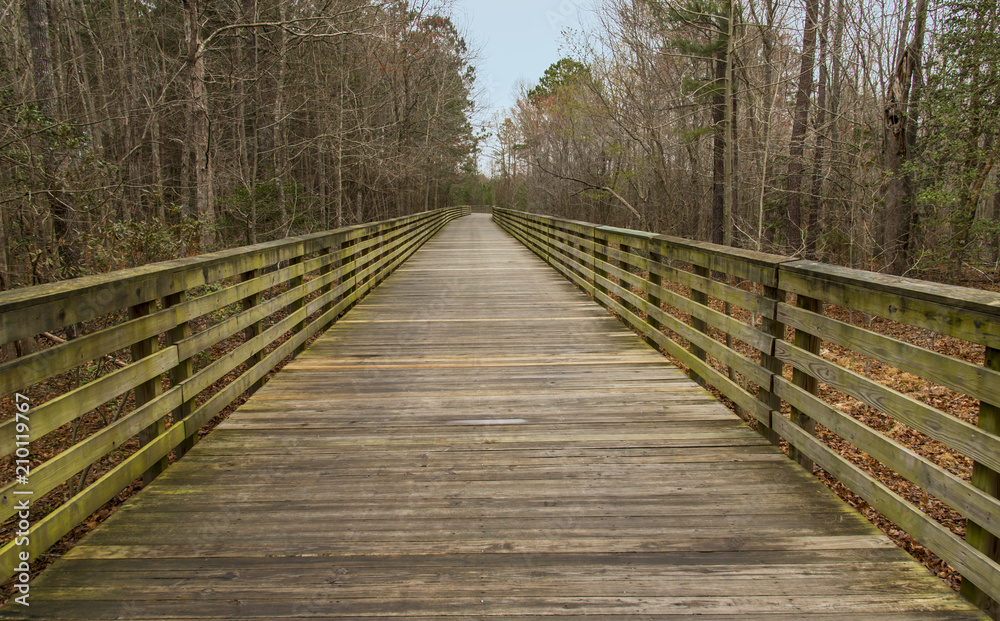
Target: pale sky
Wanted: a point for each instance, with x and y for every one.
(517, 39)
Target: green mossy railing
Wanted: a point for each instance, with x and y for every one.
(153, 323)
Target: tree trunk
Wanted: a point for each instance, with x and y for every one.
(995, 242)
(279, 151)
(156, 143)
(765, 234)
(245, 119)
(76, 53)
(819, 153)
(731, 198)
(898, 194)
(4, 265)
(836, 84)
(63, 221)
(719, 115)
(127, 74)
(198, 126)
(793, 222)
(338, 161)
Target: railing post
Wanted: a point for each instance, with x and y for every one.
(774, 328)
(327, 288)
(699, 297)
(624, 266)
(382, 249)
(602, 257)
(251, 331)
(547, 242)
(347, 278)
(989, 481)
(361, 259)
(655, 258)
(297, 303)
(148, 390)
(181, 372)
(375, 255)
(809, 343)
(573, 241)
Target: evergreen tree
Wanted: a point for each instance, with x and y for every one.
(962, 111)
(703, 30)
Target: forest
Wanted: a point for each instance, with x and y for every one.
(861, 134)
(134, 131)
(857, 133)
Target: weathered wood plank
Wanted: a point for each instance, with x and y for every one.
(55, 471)
(708, 316)
(956, 552)
(702, 341)
(968, 314)
(979, 531)
(66, 408)
(479, 440)
(745, 264)
(937, 481)
(956, 433)
(971, 379)
(144, 375)
(802, 376)
(28, 312)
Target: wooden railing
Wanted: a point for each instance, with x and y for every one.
(151, 329)
(723, 312)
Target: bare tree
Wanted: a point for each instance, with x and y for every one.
(898, 131)
(794, 225)
(63, 217)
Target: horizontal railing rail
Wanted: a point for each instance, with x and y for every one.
(723, 312)
(151, 361)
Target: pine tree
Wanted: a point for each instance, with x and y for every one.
(704, 30)
(960, 144)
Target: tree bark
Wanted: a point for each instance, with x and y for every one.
(819, 153)
(897, 129)
(995, 242)
(246, 112)
(731, 162)
(765, 234)
(4, 265)
(338, 158)
(793, 220)
(719, 115)
(279, 152)
(64, 227)
(156, 144)
(198, 126)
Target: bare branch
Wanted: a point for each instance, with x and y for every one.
(592, 186)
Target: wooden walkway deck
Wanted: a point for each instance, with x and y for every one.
(475, 440)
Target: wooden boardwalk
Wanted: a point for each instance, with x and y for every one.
(477, 439)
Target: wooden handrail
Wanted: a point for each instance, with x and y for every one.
(272, 296)
(676, 293)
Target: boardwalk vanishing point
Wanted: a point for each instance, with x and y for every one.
(477, 439)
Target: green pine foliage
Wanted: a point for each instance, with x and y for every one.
(958, 143)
